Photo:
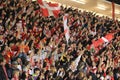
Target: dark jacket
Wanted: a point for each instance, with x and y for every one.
(2, 74)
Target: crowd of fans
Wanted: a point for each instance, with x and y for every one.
(33, 47)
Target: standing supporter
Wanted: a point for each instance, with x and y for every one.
(3, 70)
(34, 47)
(16, 75)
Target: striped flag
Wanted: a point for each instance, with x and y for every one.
(66, 28)
(49, 9)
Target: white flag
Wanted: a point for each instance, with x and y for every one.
(66, 28)
(74, 64)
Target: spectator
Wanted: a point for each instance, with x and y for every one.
(3, 71)
(33, 47)
(16, 75)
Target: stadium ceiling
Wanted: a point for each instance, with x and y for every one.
(115, 1)
(102, 7)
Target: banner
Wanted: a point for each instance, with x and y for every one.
(49, 9)
(101, 42)
(66, 28)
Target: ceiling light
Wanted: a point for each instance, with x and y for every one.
(102, 7)
(80, 1)
(117, 12)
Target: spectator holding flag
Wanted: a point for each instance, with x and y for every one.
(38, 41)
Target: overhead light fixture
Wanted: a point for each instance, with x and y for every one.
(117, 12)
(101, 7)
(80, 1)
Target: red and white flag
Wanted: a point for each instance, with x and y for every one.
(49, 9)
(102, 41)
(66, 28)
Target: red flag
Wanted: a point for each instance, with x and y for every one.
(109, 36)
(49, 9)
(101, 41)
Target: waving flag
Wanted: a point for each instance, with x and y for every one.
(66, 28)
(49, 9)
(102, 41)
(74, 64)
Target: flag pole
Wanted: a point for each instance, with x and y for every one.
(113, 10)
